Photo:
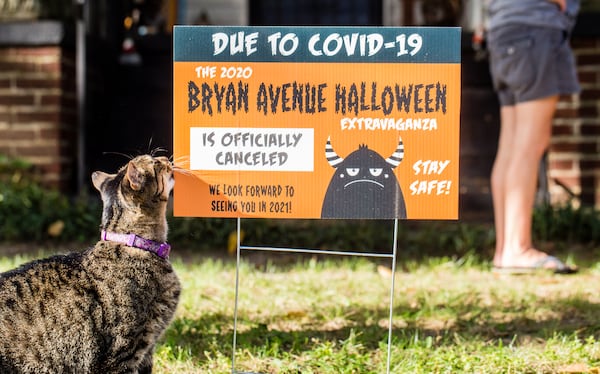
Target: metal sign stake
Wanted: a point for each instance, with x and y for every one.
(391, 256)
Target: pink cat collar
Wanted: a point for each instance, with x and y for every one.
(160, 249)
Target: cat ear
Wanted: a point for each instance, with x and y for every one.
(98, 178)
(134, 176)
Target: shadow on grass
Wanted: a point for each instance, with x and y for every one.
(213, 333)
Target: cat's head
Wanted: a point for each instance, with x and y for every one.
(136, 195)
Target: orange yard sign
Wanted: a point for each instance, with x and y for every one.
(294, 122)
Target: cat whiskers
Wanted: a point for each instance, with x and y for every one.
(182, 165)
(185, 160)
(158, 150)
(155, 151)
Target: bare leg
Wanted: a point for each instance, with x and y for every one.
(525, 134)
(499, 175)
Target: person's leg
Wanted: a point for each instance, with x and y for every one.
(499, 175)
(526, 63)
(531, 137)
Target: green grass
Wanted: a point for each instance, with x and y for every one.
(329, 315)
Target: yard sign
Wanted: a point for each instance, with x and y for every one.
(317, 122)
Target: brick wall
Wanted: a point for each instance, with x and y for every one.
(38, 109)
(574, 157)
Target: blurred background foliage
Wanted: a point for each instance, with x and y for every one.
(31, 213)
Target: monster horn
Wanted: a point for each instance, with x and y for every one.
(332, 157)
(396, 157)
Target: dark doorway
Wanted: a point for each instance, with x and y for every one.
(128, 86)
(315, 12)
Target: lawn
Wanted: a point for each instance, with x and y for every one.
(330, 315)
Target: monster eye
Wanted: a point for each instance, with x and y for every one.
(375, 171)
(352, 171)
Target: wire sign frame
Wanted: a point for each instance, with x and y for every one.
(391, 256)
(286, 122)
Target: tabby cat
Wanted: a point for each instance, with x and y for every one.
(101, 310)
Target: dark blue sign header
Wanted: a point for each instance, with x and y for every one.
(316, 44)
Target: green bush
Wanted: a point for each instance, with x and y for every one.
(566, 223)
(200, 233)
(31, 212)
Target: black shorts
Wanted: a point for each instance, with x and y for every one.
(529, 63)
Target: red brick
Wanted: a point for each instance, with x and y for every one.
(16, 99)
(13, 66)
(561, 164)
(51, 99)
(562, 130)
(588, 59)
(587, 130)
(590, 94)
(562, 147)
(50, 67)
(588, 111)
(37, 151)
(566, 113)
(49, 82)
(30, 66)
(52, 133)
(17, 134)
(588, 148)
(38, 51)
(588, 76)
(580, 148)
(589, 164)
(53, 117)
(5, 83)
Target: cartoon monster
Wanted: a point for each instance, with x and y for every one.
(364, 185)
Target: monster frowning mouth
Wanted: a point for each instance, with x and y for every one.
(364, 181)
